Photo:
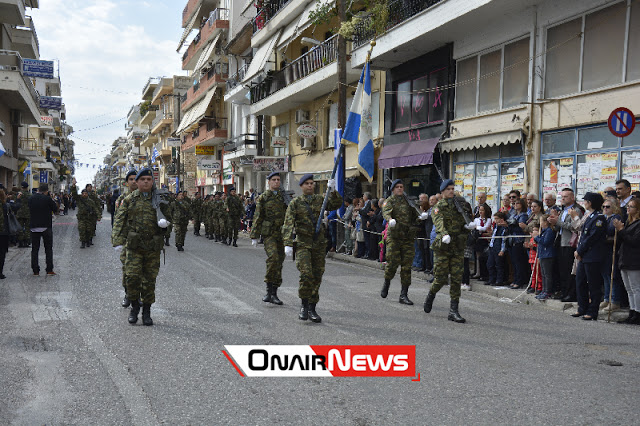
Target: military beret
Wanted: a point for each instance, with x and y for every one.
(272, 174)
(445, 183)
(24, 184)
(305, 178)
(84, 191)
(394, 183)
(144, 172)
(232, 188)
(132, 172)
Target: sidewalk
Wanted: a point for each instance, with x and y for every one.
(502, 294)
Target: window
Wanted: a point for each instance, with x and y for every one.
(558, 142)
(280, 132)
(419, 102)
(493, 80)
(574, 65)
(333, 119)
(596, 138)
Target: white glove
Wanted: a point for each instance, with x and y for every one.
(446, 239)
(392, 223)
(118, 249)
(470, 226)
(288, 251)
(254, 243)
(331, 184)
(424, 216)
(163, 223)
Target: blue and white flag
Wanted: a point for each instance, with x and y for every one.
(358, 128)
(155, 154)
(339, 174)
(27, 170)
(2, 150)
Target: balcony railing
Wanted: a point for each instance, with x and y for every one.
(237, 78)
(12, 61)
(217, 72)
(159, 117)
(248, 140)
(318, 57)
(264, 15)
(28, 26)
(399, 11)
(219, 14)
(152, 80)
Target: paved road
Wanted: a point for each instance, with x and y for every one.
(70, 357)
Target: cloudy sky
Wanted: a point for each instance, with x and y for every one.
(107, 50)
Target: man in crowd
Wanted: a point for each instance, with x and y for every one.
(234, 209)
(41, 208)
(530, 199)
(24, 236)
(549, 201)
(301, 217)
(482, 201)
(623, 192)
(365, 214)
(268, 220)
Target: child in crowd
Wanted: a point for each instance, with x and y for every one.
(546, 253)
(497, 250)
(536, 277)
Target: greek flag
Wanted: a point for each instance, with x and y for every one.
(155, 154)
(358, 127)
(2, 150)
(27, 170)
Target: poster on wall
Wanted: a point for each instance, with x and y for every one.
(512, 177)
(631, 169)
(596, 172)
(487, 182)
(557, 174)
(464, 177)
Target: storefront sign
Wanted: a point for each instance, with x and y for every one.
(50, 102)
(209, 164)
(307, 131)
(174, 142)
(47, 120)
(621, 122)
(205, 150)
(279, 141)
(37, 68)
(271, 164)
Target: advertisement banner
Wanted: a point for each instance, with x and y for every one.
(209, 163)
(174, 142)
(205, 150)
(37, 68)
(271, 164)
(50, 102)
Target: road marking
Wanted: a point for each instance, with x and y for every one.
(52, 306)
(225, 301)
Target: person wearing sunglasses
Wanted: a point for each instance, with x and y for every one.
(629, 261)
(611, 212)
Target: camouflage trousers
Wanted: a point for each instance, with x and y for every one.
(85, 229)
(215, 229)
(123, 258)
(400, 252)
(447, 263)
(221, 226)
(141, 270)
(232, 227)
(25, 234)
(310, 261)
(274, 247)
(94, 223)
(196, 225)
(208, 226)
(181, 231)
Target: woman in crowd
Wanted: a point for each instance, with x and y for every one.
(4, 231)
(534, 218)
(347, 218)
(629, 262)
(506, 204)
(360, 234)
(611, 211)
(372, 227)
(497, 250)
(517, 251)
(546, 254)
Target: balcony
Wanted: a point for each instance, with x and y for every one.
(241, 146)
(264, 15)
(306, 78)
(16, 91)
(150, 87)
(195, 6)
(237, 78)
(147, 119)
(216, 75)
(210, 131)
(217, 22)
(162, 119)
(24, 39)
(164, 87)
(12, 12)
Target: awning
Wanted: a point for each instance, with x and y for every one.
(195, 113)
(207, 54)
(299, 25)
(43, 166)
(407, 154)
(260, 58)
(187, 30)
(483, 141)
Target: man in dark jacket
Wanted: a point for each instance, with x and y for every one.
(41, 207)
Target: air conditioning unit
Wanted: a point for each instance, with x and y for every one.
(302, 116)
(307, 143)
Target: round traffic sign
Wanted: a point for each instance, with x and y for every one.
(621, 122)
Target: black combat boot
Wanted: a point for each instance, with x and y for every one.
(180, 248)
(135, 310)
(454, 315)
(313, 315)
(146, 314)
(235, 243)
(274, 296)
(404, 299)
(126, 302)
(428, 304)
(89, 243)
(166, 241)
(385, 289)
(304, 310)
(267, 297)
(83, 245)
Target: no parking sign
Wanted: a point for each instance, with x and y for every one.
(621, 122)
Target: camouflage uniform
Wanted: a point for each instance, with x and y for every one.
(24, 217)
(123, 253)
(97, 212)
(206, 217)
(400, 238)
(267, 221)
(218, 219)
(196, 214)
(233, 205)
(136, 227)
(86, 214)
(180, 219)
(301, 218)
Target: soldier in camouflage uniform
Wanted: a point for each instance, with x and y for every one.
(234, 209)
(24, 216)
(97, 211)
(86, 214)
(213, 216)
(267, 222)
(206, 217)
(137, 226)
(180, 219)
(301, 217)
(130, 181)
(402, 218)
(223, 221)
(196, 213)
(167, 235)
(452, 231)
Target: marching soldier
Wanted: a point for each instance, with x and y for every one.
(301, 218)
(24, 216)
(180, 219)
(234, 209)
(171, 199)
(137, 226)
(206, 217)
(452, 220)
(223, 221)
(196, 213)
(86, 215)
(402, 217)
(268, 220)
(130, 181)
(97, 211)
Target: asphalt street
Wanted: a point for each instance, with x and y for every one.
(69, 356)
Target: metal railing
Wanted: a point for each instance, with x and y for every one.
(264, 15)
(399, 11)
(28, 26)
(214, 123)
(249, 140)
(218, 14)
(318, 57)
(219, 68)
(161, 116)
(237, 78)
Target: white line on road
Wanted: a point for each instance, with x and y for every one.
(226, 302)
